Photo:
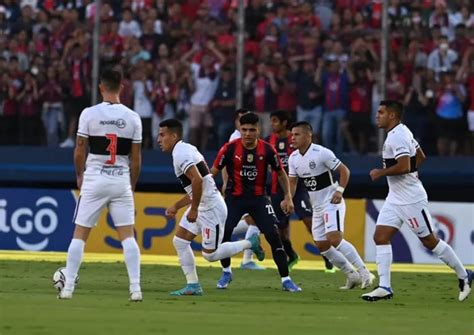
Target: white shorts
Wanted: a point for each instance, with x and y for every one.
(99, 192)
(416, 216)
(331, 219)
(210, 224)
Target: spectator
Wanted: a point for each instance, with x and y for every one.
(28, 110)
(442, 58)
(52, 108)
(129, 27)
(142, 104)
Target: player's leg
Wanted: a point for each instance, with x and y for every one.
(308, 222)
(334, 224)
(331, 253)
(213, 223)
(185, 233)
(388, 224)
(122, 211)
(247, 260)
(263, 213)
(418, 218)
(234, 213)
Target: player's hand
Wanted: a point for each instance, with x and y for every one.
(375, 174)
(192, 215)
(336, 198)
(287, 206)
(79, 181)
(171, 212)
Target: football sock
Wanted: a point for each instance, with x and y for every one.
(186, 259)
(384, 261)
(285, 278)
(241, 227)
(348, 250)
(338, 259)
(74, 259)
(447, 255)
(248, 254)
(131, 253)
(227, 249)
(290, 252)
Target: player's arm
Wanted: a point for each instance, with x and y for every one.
(80, 155)
(420, 156)
(401, 167)
(293, 185)
(183, 202)
(344, 174)
(225, 179)
(196, 185)
(135, 163)
(287, 204)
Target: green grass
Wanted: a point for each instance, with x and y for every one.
(254, 304)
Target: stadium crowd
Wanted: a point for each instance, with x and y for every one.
(317, 59)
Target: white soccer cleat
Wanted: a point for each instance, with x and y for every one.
(465, 286)
(353, 279)
(367, 279)
(380, 293)
(65, 294)
(136, 296)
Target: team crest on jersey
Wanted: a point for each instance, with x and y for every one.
(281, 145)
(250, 158)
(312, 165)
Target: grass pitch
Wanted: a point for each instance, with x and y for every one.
(424, 303)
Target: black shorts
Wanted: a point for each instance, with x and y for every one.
(302, 207)
(258, 207)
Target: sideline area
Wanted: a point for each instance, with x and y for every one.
(173, 261)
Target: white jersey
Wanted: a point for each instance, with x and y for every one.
(404, 189)
(186, 155)
(110, 129)
(235, 135)
(314, 168)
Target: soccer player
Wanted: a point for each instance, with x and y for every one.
(206, 213)
(247, 161)
(280, 138)
(314, 165)
(407, 202)
(246, 222)
(112, 134)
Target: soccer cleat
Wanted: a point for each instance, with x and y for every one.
(290, 286)
(293, 261)
(135, 296)
(333, 270)
(189, 289)
(65, 294)
(225, 280)
(465, 286)
(353, 279)
(256, 247)
(380, 293)
(251, 266)
(366, 280)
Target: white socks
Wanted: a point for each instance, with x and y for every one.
(226, 250)
(186, 259)
(447, 255)
(384, 261)
(248, 254)
(74, 259)
(338, 259)
(241, 227)
(348, 250)
(131, 253)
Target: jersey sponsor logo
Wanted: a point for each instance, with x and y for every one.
(119, 123)
(312, 165)
(250, 158)
(249, 172)
(112, 171)
(310, 183)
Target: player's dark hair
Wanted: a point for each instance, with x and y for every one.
(302, 124)
(111, 78)
(249, 118)
(282, 116)
(393, 106)
(174, 126)
(239, 112)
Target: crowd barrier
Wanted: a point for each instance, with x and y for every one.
(41, 220)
